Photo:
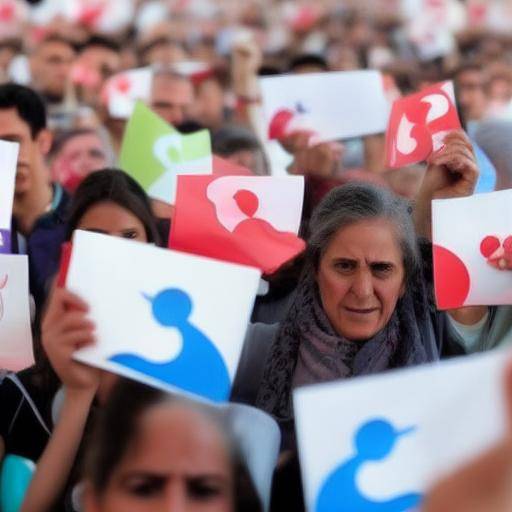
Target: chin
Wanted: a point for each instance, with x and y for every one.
(357, 333)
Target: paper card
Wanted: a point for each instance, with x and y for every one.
(469, 235)
(16, 352)
(418, 124)
(122, 91)
(154, 153)
(167, 319)
(249, 220)
(8, 163)
(337, 105)
(379, 442)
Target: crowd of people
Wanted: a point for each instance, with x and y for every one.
(358, 301)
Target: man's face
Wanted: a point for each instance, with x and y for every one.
(471, 94)
(51, 66)
(172, 98)
(31, 153)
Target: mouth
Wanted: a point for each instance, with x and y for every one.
(361, 311)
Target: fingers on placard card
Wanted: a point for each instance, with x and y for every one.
(470, 236)
(418, 124)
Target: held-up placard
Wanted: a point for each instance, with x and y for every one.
(379, 442)
(168, 319)
(333, 106)
(8, 163)
(16, 352)
(419, 123)
(154, 153)
(251, 220)
(469, 235)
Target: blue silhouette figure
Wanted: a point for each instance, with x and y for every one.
(373, 441)
(199, 368)
(299, 107)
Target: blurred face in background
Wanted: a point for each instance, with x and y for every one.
(471, 95)
(78, 157)
(172, 98)
(210, 103)
(51, 68)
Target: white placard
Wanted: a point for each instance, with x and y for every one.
(8, 162)
(16, 352)
(165, 318)
(337, 105)
(385, 439)
(459, 227)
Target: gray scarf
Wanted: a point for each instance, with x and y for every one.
(307, 349)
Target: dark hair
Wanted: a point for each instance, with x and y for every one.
(28, 104)
(356, 202)
(116, 427)
(102, 42)
(116, 186)
(308, 59)
(230, 139)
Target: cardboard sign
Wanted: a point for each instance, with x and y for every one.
(248, 220)
(122, 91)
(469, 235)
(16, 352)
(154, 153)
(418, 124)
(379, 442)
(167, 319)
(8, 162)
(333, 106)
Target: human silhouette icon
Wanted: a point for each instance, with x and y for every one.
(374, 441)
(199, 368)
(260, 240)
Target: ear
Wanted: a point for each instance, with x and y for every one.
(44, 140)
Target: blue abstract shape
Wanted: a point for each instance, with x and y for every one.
(299, 107)
(373, 441)
(199, 368)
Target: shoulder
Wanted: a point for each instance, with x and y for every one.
(258, 340)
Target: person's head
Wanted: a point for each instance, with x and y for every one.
(50, 65)
(23, 120)
(308, 63)
(77, 153)
(156, 452)
(99, 59)
(242, 147)
(210, 102)
(470, 83)
(172, 96)
(362, 250)
(111, 202)
(161, 51)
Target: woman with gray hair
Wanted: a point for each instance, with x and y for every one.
(363, 304)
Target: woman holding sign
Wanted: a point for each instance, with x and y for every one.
(363, 303)
(109, 202)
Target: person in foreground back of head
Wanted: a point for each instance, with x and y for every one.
(484, 484)
(39, 205)
(159, 452)
(363, 303)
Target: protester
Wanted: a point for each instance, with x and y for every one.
(77, 153)
(39, 205)
(360, 283)
(109, 202)
(164, 453)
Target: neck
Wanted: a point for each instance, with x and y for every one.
(31, 205)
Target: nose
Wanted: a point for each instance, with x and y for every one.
(362, 284)
(175, 498)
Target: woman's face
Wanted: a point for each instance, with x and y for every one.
(109, 218)
(361, 277)
(177, 462)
